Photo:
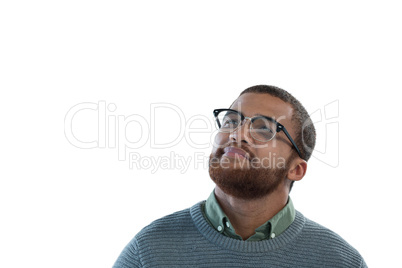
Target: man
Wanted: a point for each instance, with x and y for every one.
(264, 142)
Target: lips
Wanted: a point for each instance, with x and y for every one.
(235, 151)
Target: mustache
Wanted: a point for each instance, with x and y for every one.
(220, 150)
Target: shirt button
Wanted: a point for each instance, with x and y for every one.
(219, 228)
(227, 224)
(273, 235)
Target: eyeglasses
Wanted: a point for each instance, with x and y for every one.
(262, 128)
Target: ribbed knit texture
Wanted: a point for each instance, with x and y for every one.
(185, 239)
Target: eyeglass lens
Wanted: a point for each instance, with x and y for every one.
(261, 128)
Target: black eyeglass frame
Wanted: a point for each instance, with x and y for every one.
(279, 126)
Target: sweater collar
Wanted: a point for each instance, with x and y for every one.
(270, 229)
(211, 234)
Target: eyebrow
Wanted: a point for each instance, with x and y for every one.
(263, 115)
(258, 115)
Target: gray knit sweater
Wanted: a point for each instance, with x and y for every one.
(185, 239)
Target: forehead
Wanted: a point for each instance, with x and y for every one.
(252, 104)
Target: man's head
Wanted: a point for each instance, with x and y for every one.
(268, 166)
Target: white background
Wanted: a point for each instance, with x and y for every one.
(62, 206)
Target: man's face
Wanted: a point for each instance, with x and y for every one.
(261, 167)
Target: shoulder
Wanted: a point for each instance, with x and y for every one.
(173, 220)
(168, 228)
(326, 242)
(156, 237)
(317, 231)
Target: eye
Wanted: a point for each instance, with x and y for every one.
(266, 128)
(230, 122)
(263, 127)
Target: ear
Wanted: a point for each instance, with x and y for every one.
(297, 170)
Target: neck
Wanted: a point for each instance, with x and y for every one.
(248, 215)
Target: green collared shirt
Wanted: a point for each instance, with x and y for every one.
(272, 228)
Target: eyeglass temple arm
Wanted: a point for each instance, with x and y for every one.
(290, 138)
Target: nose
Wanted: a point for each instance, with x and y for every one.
(242, 132)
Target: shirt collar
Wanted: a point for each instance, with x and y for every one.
(270, 229)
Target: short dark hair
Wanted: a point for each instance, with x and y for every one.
(305, 132)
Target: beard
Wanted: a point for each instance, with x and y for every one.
(246, 179)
